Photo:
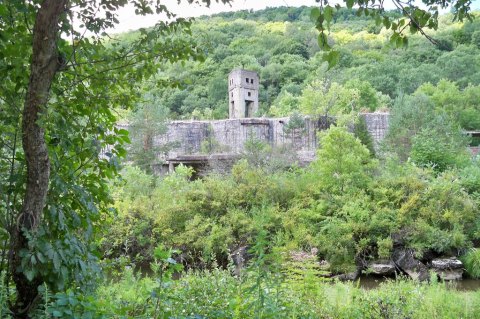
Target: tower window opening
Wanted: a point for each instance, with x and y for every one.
(249, 93)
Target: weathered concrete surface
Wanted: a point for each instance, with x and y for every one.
(229, 137)
(243, 93)
(382, 268)
(405, 260)
(448, 268)
(377, 125)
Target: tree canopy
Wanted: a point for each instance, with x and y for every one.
(64, 83)
(58, 118)
(415, 18)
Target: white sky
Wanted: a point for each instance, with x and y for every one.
(130, 21)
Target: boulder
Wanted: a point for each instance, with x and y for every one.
(240, 258)
(303, 256)
(349, 276)
(448, 268)
(381, 268)
(404, 259)
(447, 263)
(454, 274)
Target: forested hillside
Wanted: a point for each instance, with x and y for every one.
(350, 203)
(87, 230)
(281, 45)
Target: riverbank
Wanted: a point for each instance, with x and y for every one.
(369, 282)
(217, 294)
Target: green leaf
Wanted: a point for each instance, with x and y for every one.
(323, 41)
(413, 28)
(314, 14)
(56, 261)
(333, 57)
(399, 42)
(350, 3)
(3, 10)
(386, 22)
(29, 273)
(161, 253)
(393, 38)
(328, 13)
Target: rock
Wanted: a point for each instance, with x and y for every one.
(349, 276)
(324, 265)
(300, 260)
(448, 268)
(303, 256)
(454, 274)
(382, 268)
(240, 258)
(447, 263)
(405, 260)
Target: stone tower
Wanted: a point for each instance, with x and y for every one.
(242, 93)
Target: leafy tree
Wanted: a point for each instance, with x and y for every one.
(409, 115)
(414, 17)
(429, 136)
(343, 163)
(323, 98)
(147, 122)
(476, 38)
(462, 65)
(285, 104)
(360, 131)
(70, 91)
(462, 106)
(441, 146)
(368, 96)
(291, 47)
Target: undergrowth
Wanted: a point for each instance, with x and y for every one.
(471, 261)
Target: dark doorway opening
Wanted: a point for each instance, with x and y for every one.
(248, 108)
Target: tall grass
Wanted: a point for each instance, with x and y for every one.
(471, 261)
(217, 294)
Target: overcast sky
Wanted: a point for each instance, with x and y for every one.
(129, 21)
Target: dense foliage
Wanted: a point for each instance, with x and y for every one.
(62, 80)
(346, 204)
(348, 207)
(281, 45)
(354, 204)
(218, 295)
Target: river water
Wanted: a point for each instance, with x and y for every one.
(370, 282)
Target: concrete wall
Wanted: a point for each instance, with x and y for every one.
(242, 87)
(377, 125)
(228, 137)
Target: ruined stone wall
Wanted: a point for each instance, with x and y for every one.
(377, 125)
(196, 138)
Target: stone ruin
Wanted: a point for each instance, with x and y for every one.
(195, 143)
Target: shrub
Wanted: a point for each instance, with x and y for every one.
(471, 261)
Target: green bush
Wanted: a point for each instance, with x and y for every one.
(471, 261)
(217, 294)
(439, 149)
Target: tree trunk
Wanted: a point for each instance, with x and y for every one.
(43, 68)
